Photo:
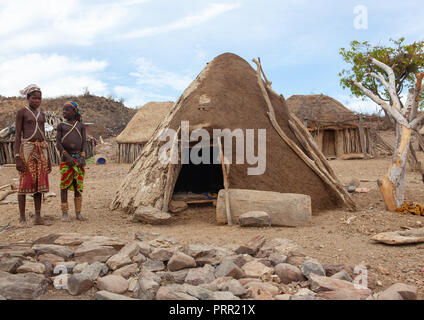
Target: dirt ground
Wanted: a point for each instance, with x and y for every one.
(328, 237)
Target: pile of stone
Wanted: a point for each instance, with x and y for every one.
(157, 267)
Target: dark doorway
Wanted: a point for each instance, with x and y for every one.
(200, 178)
(329, 143)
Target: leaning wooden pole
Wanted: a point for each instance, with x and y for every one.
(323, 174)
(226, 184)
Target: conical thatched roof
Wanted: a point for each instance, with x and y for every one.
(319, 107)
(144, 122)
(226, 95)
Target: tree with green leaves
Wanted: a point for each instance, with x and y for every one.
(383, 74)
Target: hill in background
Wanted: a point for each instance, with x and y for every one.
(110, 117)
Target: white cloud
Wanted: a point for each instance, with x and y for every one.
(55, 74)
(212, 11)
(134, 97)
(28, 24)
(152, 84)
(150, 76)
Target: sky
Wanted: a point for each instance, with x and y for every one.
(150, 50)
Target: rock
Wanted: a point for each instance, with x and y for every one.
(163, 242)
(146, 289)
(92, 253)
(229, 269)
(118, 261)
(113, 283)
(342, 275)
(50, 258)
(406, 292)
(139, 259)
(278, 245)
(116, 243)
(177, 206)
(144, 236)
(161, 254)
(63, 239)
(203, 254)
(152, 265)
(297, 260)
(132, 284)
(224, 295)
(277, 258)
(305, 298)
(312, 267)
(288, 273)
(27, 286)
(342, 294)
(105, 295)
(268, 287)
(240, 260)
(231, 285)
(252, 246)
(178, 276)
(282, 297)
(181, 261)
(245, 281)
(31, 267)
(124, 256)
(127, 271)
(290, 210)
(200, 275)
(305, 292)
(95, 270)
(173, 293)
(322, 284)
(199, 292)
(10, 264)
(150, 215)
(332, 269)
(258, 293)
(60, 282)
(57, 250)
(255, 219)
(79, 283)
(145, 274)
(255, 269)
(145, 248)
(80, 267)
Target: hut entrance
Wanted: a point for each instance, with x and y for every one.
(196, 182)
(329, 143)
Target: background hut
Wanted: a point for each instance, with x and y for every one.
(338, 132)
(7, 141)
(140, 129)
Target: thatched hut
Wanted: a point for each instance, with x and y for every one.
(229, 94)
(140, 129)
(7, 141)
(338, 131)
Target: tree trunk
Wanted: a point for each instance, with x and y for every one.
(393, 185)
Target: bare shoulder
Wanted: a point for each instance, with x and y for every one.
(81, 126)
(21, 111)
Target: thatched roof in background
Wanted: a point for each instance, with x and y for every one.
(319, 108)
(144, 122)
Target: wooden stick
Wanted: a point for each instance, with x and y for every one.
(311, 164)
(362, 136)
(226, 185)
(170, 176)
(6, 186)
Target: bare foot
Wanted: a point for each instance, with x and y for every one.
(81, 218)
(65, 218)
(24, 224)
(38, 221)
